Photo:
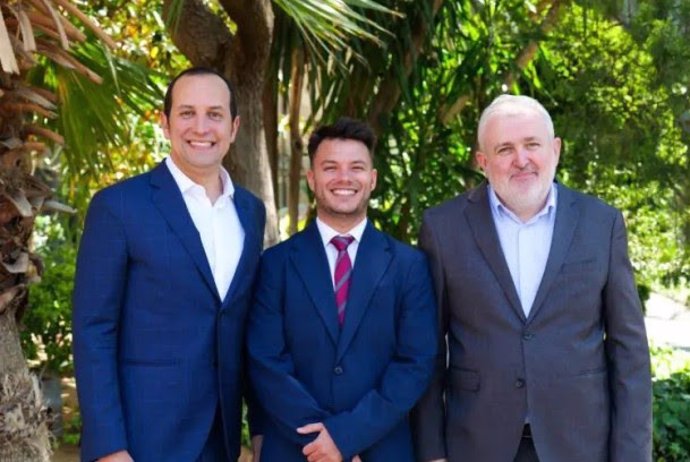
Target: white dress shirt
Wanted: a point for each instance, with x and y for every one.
(219, 226)
(327, 233)
(526, 245)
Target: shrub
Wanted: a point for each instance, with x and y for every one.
(671, 407)
(47, 333)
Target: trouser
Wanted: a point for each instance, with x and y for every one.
(526, 451)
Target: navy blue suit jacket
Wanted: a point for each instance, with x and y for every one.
(156, 350)
(360, 380)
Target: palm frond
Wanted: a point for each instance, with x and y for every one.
(327, 25)
(94, 116)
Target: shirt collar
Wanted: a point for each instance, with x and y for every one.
(327, 233)
(186, 184)
(500, 209)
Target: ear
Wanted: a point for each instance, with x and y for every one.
(165, 125)
(234, 129)
(557, 148)
(481, 160)
(310, 179)
(374, 176)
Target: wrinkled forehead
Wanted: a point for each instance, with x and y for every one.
(538, 121)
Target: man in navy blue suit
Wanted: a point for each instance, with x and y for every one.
(163, 284)
(342, 333)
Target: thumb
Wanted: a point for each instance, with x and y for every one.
(310, 428)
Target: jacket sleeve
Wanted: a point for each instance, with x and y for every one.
(428, 416)
(628, 356)
(98, 294)
(405, 378)
(256, 417)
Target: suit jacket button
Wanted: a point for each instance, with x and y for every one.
(338, 370)
(527, 336)
(519, 383)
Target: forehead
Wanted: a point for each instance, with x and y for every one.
(342, 150)
(510, 127)
(200, 90)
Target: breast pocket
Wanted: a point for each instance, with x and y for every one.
(580, 266)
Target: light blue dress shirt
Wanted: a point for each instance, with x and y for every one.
(525, 246)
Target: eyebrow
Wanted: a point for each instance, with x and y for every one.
(510, 143)
(189, 106)
(502, 145)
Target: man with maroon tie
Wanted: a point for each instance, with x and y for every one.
(342, 333)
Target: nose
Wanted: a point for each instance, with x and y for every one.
(342, 174)
(521, 158)
(200, 124)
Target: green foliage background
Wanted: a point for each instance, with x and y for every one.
(615, 79)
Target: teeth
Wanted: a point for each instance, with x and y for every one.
(344, 192)
(201, 144)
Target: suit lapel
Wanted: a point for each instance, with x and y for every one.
(371, 263)
(478, 213)
(563, 232)
(309, 260)
(252, 241)
(168, 199)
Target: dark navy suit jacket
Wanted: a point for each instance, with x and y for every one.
(360, 380)
(156, 350)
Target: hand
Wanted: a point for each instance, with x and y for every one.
(322, 449)
(257, 440)
(356, 459)
(120, 456)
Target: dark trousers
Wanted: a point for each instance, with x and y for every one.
(526, 451)
(214, 449)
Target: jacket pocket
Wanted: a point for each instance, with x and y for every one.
(464, 379)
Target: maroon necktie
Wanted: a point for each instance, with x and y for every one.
(343, 270)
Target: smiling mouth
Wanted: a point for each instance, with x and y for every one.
(343, 192)
(523, 175)
(201, 144)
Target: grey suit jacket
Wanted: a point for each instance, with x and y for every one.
(579, 364)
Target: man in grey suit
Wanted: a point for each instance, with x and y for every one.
(545, 355)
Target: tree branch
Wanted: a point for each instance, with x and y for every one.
(448, 112)
(389, 91)
(254, 19)
(200, 34)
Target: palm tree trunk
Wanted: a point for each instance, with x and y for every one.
(24, 434)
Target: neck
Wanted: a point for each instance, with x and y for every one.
(207, 178)
(341, 224)
(526, 213)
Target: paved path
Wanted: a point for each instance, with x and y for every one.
(668, 322)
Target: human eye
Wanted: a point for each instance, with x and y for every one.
(186, 113)
(215, 115)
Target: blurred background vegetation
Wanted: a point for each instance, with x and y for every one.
(614, 74)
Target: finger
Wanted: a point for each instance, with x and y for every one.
(356, 459)
(315, 457)
(309, 449)
(310, 428)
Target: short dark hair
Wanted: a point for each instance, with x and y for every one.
(199, 70)
(344, 128)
